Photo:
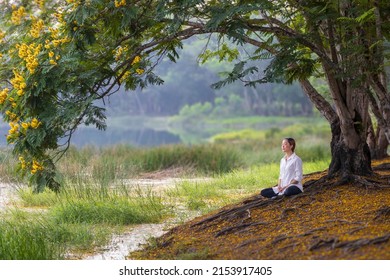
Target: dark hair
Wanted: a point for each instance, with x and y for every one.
(291, 141)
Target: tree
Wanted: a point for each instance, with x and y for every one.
(59, 58)
(340, 40)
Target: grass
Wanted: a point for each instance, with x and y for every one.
(79, 218)
(232, 187)
(94, 202)
(35, 236)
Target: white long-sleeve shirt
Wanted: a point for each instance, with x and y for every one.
(290, 169)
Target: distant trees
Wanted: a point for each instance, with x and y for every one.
(187, 83)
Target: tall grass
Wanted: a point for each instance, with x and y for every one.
(106, 165)
(32, 236)
(89, 202)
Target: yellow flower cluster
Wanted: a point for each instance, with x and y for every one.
(75, 3)
(29, 53)
(15, 124)
(22, 162)
(2, 35)
(59, 16)
(36, 166)
(3, 95)
(119, 51)
(14, 130)
(136, 60)
(11, 115)
(53, 58)
(125, 76)
(139, 71)
(37, 27)
(54, 32)
(40, 3)
(17, 14)
(56, 43)
(18, 83)
(120, 3)
(35, 123)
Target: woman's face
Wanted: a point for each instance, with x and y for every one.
(286, 147)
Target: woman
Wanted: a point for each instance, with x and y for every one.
(290, 176)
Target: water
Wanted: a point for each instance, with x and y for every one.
(139, 137)
(121, 244)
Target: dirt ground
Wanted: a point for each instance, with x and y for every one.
(325, 222)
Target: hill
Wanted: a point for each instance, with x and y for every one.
(327, 221)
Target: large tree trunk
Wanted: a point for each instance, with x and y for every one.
(349, 156)
(347, 161)
(377, 141)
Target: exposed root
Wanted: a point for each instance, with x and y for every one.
(353, 245)
(323, 243)
(286, 211)
(279, 238)
(240, 210)
(312, 231)
(383, 213)
(250, 241)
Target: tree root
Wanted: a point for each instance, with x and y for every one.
(311, 231)
(243, 244)
(353, 245)
(286, 211)
(279, 238)
(240, 210)
(383, 213)
(383, 166)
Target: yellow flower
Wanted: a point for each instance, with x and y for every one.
(29, 53)
(2, 35)
(40, 3)
(136, 60)
(22, 162)
(3, 95)
(25, 125)
(125, 76)
(120, 3)
(18, 83)
(35, 123)
(11, 115)
(36, 166)
(139, 71)
(36, 28)
(14, 129)
(17, 15)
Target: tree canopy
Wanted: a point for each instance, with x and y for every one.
(59, 57)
